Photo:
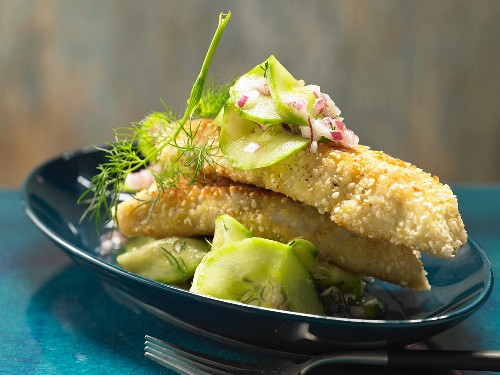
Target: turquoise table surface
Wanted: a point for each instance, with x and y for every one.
(57, 318)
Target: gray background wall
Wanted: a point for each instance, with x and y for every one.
(417, 79)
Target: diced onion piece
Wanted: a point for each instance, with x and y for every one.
(297, 102)
(262, 86)
(336, 136)
(324, 104)
(248, 99)
(319, 106)
(350, 139)
(314, 147)
(329, 128)
(300, 104)
(251, 147)
(331, 110)
(242, 100)
(311, 129)
(340, 125)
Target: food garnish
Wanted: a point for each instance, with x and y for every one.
(124, 158)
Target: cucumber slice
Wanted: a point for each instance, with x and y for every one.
(307, 252)
(259, 107)
(259, 272)
(134, 243)
(285, 90)
(326, 275)
(171, 260)
(227, 230)
(239, 135)
(218, 119)
(371, 306)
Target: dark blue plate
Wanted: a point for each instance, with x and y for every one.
(459, 286)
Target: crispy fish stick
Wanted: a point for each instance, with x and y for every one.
(367, 192)
(192, 211)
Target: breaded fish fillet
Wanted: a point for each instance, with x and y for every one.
(367, 192)
(192, 211)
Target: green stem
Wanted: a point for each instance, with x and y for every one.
(197, 90)
(113, 172)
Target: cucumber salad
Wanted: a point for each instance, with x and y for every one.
(236, 266)
(270, 115)
(264, 116)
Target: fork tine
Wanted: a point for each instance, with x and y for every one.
(163, 348)
(186, 359)
(186, 365)
(168, 363)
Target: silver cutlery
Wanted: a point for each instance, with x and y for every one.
(187, 362)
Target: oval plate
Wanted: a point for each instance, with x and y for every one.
(459, 285)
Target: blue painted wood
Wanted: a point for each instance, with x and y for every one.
(56, 318)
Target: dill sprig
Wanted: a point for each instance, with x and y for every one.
(176, 261)
(123, 157)
(214, 97)
(265, 68)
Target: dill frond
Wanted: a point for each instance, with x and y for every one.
(214, 96)
(176, 261)
(124, 156)
(265, 68)
(149, 128)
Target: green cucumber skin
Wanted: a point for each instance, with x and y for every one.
(307, 252)
(176, 267)
(259, 272)
(326, 275)
(134, 243)
(282, 82)
(275, 145)
(227, 230)
(264, 112)
(240, 127)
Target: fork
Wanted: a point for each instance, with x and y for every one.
(187, 362)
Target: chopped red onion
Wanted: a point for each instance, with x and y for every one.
(300, 104)
(314, 147)
(337, 136)
(319, 106)
(241, 102)
(331, 129)
(262, 86)
(311, 136)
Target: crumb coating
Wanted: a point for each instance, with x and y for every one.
(191, 211)
(367, 192)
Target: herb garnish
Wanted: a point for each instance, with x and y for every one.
(214, 97)
(124, 158)
(265, 68)
(176, 261)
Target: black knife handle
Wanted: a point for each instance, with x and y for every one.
(482, 360)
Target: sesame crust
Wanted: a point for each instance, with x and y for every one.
(191, 211)
(367, 192)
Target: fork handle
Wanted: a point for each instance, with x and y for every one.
(482, 360)
(485, 360)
